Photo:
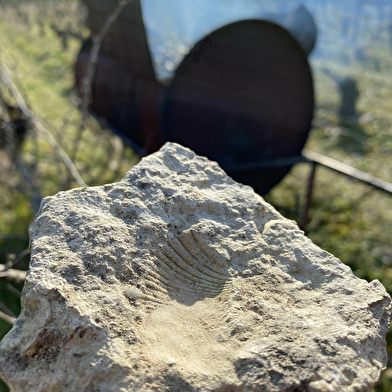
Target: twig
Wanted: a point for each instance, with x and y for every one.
(18, 258)
(6, 318)
(93, 59)
(37, 124)
(14, 275)
(15, 73)
(4, 308)
(7, 311)
(60, 152)
(13, 290)
(87, 80)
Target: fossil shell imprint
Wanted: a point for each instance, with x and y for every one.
(177, 278)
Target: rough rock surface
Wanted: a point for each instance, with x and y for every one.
(179, 279)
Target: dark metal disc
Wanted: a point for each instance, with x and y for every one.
(243, 95)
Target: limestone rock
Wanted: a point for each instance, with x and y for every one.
(179, 279)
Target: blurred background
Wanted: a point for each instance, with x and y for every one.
(48, 144)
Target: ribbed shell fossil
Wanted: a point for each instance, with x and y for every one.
(179, 279)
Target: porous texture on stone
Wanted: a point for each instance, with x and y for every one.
(179, 279)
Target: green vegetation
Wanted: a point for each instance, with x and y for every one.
(43, 72)
(347, 218)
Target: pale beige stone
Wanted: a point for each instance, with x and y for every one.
(179, 279)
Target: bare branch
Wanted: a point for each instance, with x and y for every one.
(6, 318)
(20, 256)
(87, 81)
(4, 309)
(12, 260)
(13, 290)
(60, 152)
(93, 60)
(37, 124)
(11, 274)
